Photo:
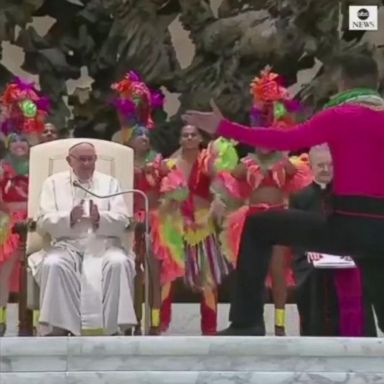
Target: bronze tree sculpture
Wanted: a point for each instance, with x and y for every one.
(110, 37)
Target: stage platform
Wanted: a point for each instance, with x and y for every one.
(190, 360)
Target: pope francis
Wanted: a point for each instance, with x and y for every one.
(85, 277)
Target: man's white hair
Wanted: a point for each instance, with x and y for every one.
(318, 148)
(80, 143)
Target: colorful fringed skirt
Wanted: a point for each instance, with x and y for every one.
(8, 240)
(9, 244)
(230, 235)
(192, 252)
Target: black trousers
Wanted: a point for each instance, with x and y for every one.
(353, 227)
(317, 303)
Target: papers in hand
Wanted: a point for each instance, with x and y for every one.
(86, 208)
(324, 260)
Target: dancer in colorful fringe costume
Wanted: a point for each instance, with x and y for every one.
(23, 113)
(185, 238)
(135, 104)
(263, 180)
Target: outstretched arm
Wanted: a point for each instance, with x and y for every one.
(314, 131)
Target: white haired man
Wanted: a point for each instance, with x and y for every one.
(331, 302)
(86, 277)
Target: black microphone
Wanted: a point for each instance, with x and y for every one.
(76, 184)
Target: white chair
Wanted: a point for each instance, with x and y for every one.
(49, 158)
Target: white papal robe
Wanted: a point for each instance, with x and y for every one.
(86, 277)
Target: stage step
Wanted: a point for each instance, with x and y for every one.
(190, 360)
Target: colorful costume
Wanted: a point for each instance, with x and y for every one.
(23, 113)
(135, 104)
(271, 106)
(185, 237)
(228, 188)
(14, 191)
(25, 109)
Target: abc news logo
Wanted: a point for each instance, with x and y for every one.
(363, 14)
(363, 18)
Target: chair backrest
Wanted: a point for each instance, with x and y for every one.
(49, 158)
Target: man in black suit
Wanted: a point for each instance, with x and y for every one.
(316, 289)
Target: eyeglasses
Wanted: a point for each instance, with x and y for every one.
(84, 159)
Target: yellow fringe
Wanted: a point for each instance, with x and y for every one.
(155, 317)
(205, 228)
(92, 332)
(36, 317)
(279, 317)
(3, 315)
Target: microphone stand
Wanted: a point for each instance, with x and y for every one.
(147, 244)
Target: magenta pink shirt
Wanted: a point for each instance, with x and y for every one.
(354, 133)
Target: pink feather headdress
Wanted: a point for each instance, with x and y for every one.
(24, 109)
(136, 101)
(272, 102)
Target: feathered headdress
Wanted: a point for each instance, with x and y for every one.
(23, 108)
(272, 103)
(136, 103)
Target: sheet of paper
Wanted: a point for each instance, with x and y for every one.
(323, 260)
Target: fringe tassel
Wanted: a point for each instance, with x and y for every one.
(205, 265)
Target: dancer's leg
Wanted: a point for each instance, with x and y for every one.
(166, 307)
(279, 288)
(155, 295)
(208, 311)
(287, 227)
(359, 235)
(6, 269)
(139, 280)
(138, 299)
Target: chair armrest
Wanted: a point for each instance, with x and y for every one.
(21, 227)
(130, 225)
(32, 225)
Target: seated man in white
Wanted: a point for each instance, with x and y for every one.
(86, 277)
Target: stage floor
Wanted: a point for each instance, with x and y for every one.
(186, 319)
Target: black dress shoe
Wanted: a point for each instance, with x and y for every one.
(232, 330)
